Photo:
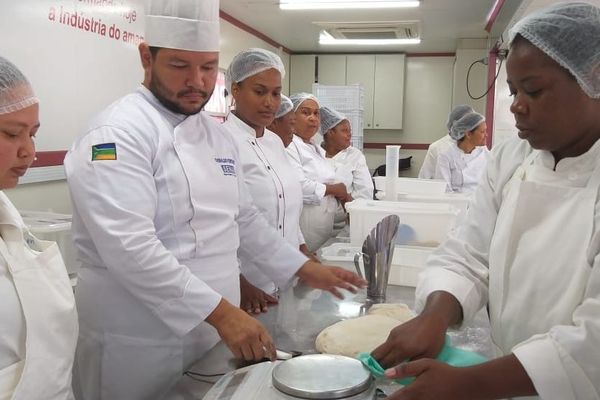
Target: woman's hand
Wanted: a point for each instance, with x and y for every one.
(254, 300)
(330, 278)
(306, 251)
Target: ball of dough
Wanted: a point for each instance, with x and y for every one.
(398, 311)
(356, 335)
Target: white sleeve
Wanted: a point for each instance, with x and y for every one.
(312, 191)
(443, 171)
(362, 183)
(460, 264)
(428, 168)
(121, 227)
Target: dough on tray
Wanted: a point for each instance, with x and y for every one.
(362, 334)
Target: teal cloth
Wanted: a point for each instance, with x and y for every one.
(449, 355)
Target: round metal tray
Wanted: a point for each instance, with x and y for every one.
(321, 376)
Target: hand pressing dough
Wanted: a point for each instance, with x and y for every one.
(352, 336)
(362, 334)
(401, 312)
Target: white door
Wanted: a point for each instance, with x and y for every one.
(389, 91)
(361, 69)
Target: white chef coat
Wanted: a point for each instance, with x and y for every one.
(530, 245)
(430, 162)
(351, 169)
(158, 231)
(38, 322)
(274, 186)
(316, 220)
(460, 170)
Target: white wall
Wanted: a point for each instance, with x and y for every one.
(53, 196)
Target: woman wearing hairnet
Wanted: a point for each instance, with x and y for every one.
(349, 162)
(427, 170)
(38, 321)
(254, 80)
(285, 121)
(530, 248)
(320, 189)
(462, 164)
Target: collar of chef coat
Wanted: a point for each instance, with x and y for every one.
(572, 166)
(173, 118)
(242, 126)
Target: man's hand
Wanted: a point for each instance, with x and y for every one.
(245, 336)
(254, 300)
(330, 278)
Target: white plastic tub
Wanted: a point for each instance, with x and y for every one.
(413, 185)
(407, 264)
(458, 200)
(421, 224)
(55, 228)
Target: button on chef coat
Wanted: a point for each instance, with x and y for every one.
(274, 186)
(461, 170)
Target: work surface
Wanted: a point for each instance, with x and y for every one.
(301, 314)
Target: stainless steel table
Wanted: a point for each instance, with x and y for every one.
(297, 320)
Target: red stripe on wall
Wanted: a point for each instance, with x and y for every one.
(493, 14)
(491, 96)
(405, 146)
(49, 158)
(236, 22)
(429, 54)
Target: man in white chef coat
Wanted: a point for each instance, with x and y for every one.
(160, 210)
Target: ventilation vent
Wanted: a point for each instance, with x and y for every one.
(372, 30)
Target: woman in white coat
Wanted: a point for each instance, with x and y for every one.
(462, 164)
(349, 163)
(38, 322)
(254, 80)
(530, 248)
(427, 170)
(320, 189)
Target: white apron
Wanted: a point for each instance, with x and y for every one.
(538, 266)
(46, 297)
(133, 342)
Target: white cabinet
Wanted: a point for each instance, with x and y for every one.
(388, 96)
(302, 73)
(331, 69)
(382, 77)
(361, 69)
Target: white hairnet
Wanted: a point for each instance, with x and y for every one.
(456, 114)
(465, 124)
(251, 62)
(285, 107)
(330, 118)
(569, 33)
(15, 91)
(299, 98)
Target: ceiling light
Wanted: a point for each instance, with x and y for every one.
(338, 4)
(326, 39)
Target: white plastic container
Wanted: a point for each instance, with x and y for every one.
(407, 264)
(414, 185)
(55, 228)
(421, 224)
(458, 200)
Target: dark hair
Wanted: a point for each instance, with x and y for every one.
(153, 50)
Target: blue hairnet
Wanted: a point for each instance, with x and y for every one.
(456, 113)
(465, 124)
(299, 98)
(250, 62)
(15, 91)
(285, 107)
(330, 118)
(569, 33)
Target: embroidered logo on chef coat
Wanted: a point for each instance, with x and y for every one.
(104, 151)
(227, 165)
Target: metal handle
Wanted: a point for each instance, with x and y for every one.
(357, 265)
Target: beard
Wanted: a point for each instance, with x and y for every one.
(164, 95)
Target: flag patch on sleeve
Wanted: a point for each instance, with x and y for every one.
(104, 151)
